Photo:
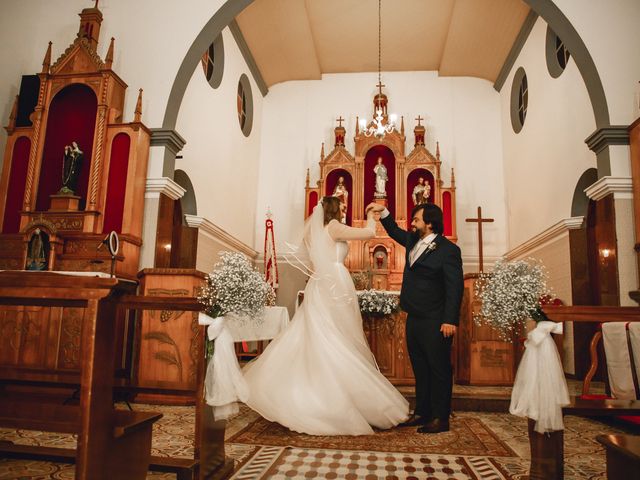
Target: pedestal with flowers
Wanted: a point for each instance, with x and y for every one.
(235, 292)
(512, 294)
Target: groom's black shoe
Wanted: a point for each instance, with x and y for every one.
(414, 421)
(436, 425)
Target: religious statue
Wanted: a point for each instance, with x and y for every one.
(36, 256)
(379, 259)
(421, 192)
(71, 164)
(381, 179)
(341, 191)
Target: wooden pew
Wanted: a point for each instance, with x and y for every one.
(209, 459)
(547, 451)
(111, 444)
(623, 456)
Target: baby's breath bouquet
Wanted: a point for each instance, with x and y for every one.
(235, 287)
(376, 302)
(510, 295)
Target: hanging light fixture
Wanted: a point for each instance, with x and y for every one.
(381, 125)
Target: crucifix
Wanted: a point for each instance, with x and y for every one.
(340, 120)
(479, 220)
(419, 119)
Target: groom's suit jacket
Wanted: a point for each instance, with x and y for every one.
(432, 287)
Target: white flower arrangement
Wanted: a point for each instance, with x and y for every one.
(510, 295)
(376, 302)
(235, 287)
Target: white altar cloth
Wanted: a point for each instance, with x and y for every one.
(275, 321)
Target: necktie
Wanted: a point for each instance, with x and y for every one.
(416, 252)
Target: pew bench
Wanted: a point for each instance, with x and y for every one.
(64, 418)
(623, 456)
(184, 468)
(129, 445)
(111, 443)
(547, 450)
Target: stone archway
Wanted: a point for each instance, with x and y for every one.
(546, 9)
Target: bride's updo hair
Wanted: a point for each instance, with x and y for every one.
(331, 207)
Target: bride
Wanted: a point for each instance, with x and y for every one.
(319, 375)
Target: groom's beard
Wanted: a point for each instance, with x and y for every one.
(419, 233)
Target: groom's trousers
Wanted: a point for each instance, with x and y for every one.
(430, 354)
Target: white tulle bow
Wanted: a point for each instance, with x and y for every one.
(540, 389)
(224, 383)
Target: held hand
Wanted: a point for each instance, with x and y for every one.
(447, 329)
(374, 207)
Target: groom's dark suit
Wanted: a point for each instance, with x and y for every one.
(431, 295)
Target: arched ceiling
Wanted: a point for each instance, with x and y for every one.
(303, 39)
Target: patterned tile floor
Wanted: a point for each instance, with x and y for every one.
(584, 457)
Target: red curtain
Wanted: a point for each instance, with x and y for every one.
(72, 118)
(17, 180)
(313, 201)
(116, 188)
(447, 214)
(332, 181)
(412, 181)
(389, 161)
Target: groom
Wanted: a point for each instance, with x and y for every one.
(432, 288)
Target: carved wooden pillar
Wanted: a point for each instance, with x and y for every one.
(95, 175)
(33, 170)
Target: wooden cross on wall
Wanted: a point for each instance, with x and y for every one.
(479, 220)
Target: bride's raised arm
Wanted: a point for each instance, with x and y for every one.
(340, 232)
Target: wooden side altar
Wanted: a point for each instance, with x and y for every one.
(73, 169)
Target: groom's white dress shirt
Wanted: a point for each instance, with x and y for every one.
(419, 247)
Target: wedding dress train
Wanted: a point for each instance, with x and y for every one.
(319, 375)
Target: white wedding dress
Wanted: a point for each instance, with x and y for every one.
(319, 375)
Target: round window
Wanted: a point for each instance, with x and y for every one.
(556, 53)
(213, 62)
(519, 100)
(245, 105)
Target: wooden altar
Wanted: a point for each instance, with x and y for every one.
(387, 340)
(481, 356)
(73, 169)
(381, 258)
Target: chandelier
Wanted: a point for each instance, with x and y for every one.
(380, 125)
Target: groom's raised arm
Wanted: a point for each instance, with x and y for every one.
(398, 234)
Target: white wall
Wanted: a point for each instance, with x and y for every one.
(610, 32)
(221, 162)
(463, 114)
(543, 163)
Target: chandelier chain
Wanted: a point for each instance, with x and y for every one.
(379, 41)
(380, 125)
